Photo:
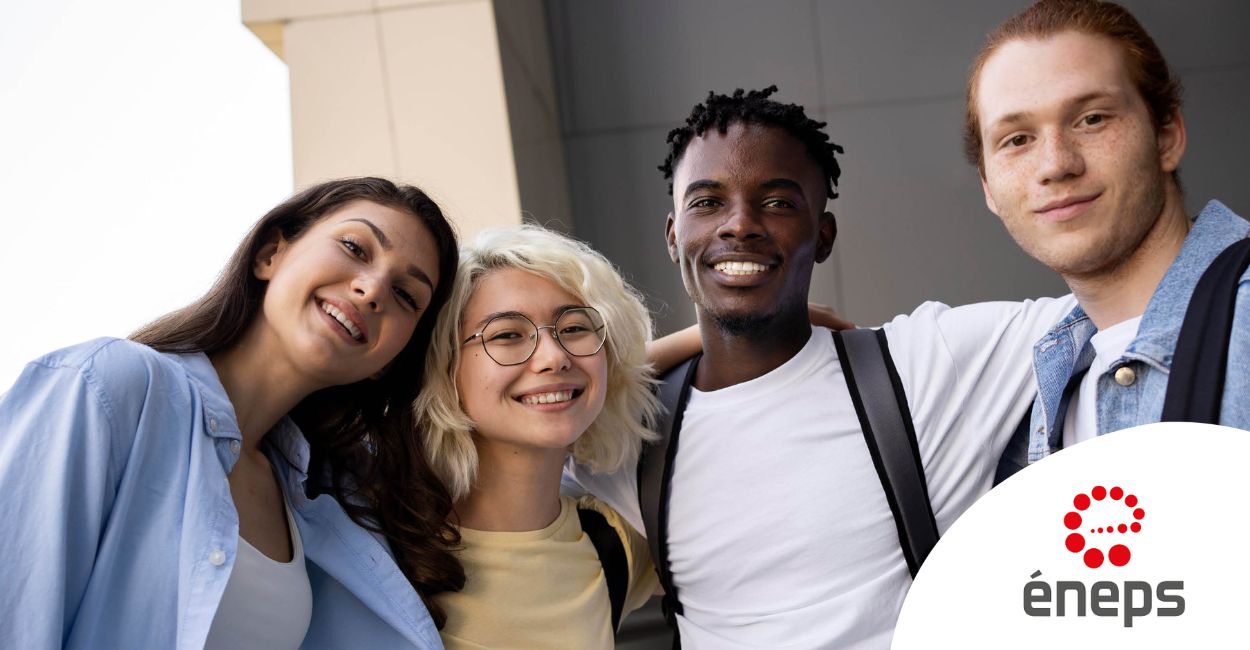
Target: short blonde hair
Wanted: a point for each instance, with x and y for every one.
(616, 436)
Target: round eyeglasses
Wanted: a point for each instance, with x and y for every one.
(511, 339)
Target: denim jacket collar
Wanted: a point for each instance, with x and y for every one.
(1213, 230)
(1066, 350)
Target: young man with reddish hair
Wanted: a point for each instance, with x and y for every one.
(1074, 122)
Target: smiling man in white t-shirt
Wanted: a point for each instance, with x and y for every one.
(779, 533)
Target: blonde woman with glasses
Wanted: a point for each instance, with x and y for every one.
(541, 350)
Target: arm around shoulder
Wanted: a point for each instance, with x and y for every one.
(667, 351)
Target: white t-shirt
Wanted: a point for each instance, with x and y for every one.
(267, 604)
(779, 531)
(1080, 423)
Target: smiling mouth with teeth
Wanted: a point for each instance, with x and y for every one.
(553, 397)
(343, 320)
(740, 268)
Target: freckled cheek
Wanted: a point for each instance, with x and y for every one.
(1013, 190)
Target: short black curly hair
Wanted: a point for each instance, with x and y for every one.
(754, 107)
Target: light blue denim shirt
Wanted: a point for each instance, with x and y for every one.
(1066, 349)
(118, 529)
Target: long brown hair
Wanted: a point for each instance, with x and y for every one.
(364, 446)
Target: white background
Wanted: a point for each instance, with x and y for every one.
(139, 140)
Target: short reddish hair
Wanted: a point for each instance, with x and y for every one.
(1149, 71)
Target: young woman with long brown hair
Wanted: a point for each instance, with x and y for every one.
(242, 472)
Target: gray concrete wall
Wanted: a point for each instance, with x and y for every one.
(888, 76)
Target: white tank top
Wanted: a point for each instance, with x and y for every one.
(267, 604)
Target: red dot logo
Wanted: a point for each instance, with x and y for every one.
(1132, 514)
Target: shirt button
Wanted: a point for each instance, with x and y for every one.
(217, 557)
(212, 424)
(235, 446)
(1125, 376)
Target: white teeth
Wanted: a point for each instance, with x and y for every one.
(547, 398)
(740, 268)
(342, 319)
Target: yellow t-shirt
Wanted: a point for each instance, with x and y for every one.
(542, 588)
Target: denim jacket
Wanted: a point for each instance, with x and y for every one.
(1135, 396)
(119, 530)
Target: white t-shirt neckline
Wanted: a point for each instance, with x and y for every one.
(1080, 423)
(796, 368)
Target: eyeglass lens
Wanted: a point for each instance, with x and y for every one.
(511, 340)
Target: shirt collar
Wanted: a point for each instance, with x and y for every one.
(220, 421)
(219, 417)
(287, 440)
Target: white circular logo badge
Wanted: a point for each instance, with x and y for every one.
(1132, 540)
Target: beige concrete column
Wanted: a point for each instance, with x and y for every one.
(408, 89)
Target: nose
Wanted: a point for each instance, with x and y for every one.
(367, 289)
(1061, 158)
(742, 222)
(549, 355)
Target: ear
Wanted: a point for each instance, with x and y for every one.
(268, 256)
(989, 198)
(1172, 140)
(828, 234)
(671, 237)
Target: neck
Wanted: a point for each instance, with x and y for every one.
(1114, 295)
(730, 358)
(260, 392)
(517, 488)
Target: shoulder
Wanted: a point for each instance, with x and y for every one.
(979, 324)
(616, 491)
(938, 317)
(1242, 299)
(110, 360)
(94, 398)
(117, 376)
(589, 502)
(643, 579)
(626, 532)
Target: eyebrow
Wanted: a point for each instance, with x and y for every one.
(385, 242)
(782, 184)
(420, 276)
(1013, 118)
(512, 313)
(770, 184)
(704, 184)
(377, 232)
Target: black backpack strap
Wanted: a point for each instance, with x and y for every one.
(611, 555)
(655, 472)
(1016, 454)
(881, 405)
(1196, 379)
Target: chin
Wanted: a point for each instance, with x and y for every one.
(1085, 259)
(549, 439)
(742, 319)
